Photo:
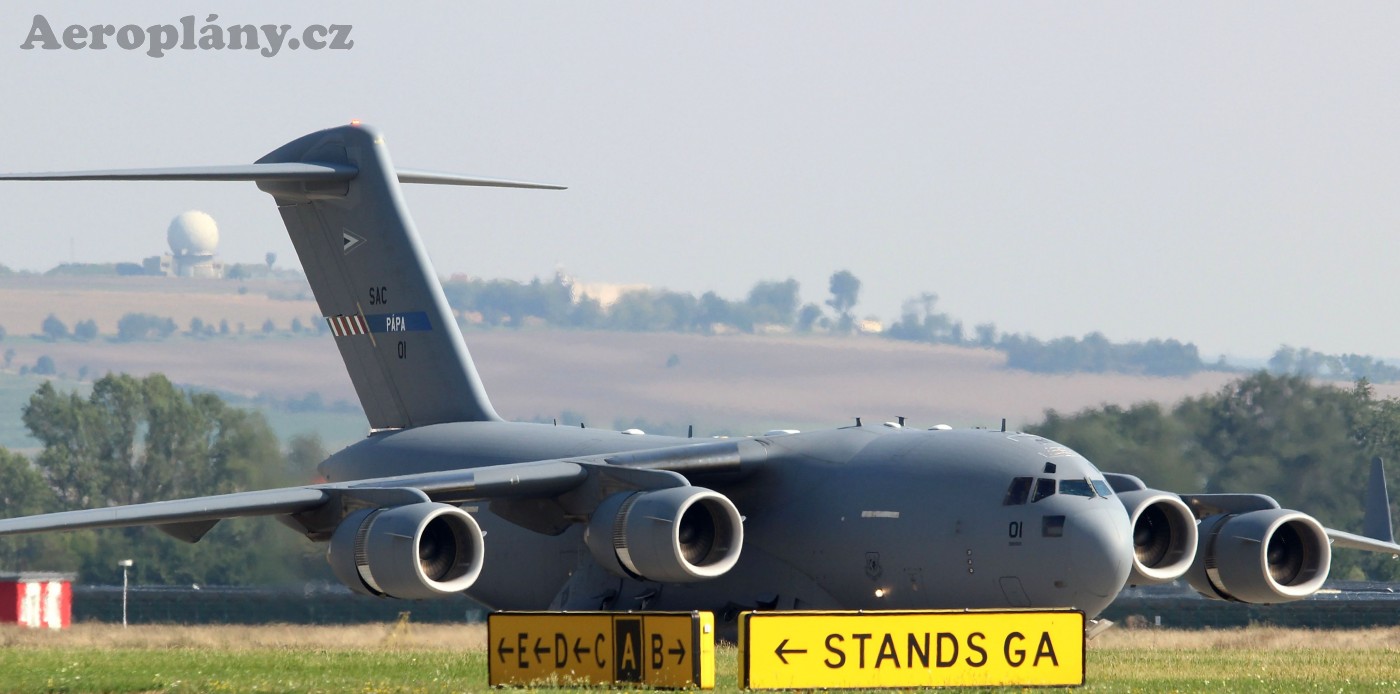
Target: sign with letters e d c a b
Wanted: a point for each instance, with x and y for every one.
(835, 650)
(657, 649)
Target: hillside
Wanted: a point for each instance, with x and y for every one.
(733, 383)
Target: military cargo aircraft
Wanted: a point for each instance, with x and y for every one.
(444, 497)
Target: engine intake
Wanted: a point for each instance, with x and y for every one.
(425, 550)
(676, 535)
(1270, 556)
(1164, 536)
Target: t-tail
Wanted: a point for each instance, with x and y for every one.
(338, 193)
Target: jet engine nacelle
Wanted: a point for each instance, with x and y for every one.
(425, 550)
(1164, 536)
(1269, 556)
(676, 535)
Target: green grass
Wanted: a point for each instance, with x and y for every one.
(194, 669)
(1226, 670)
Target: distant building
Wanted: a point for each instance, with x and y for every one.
(870, 326)
(193, 238)
(606, 294)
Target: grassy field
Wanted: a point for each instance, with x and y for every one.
(422, 658)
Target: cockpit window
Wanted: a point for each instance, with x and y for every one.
(1018, 491)
(1101, 486)
(1043, 488)
(1077, 488)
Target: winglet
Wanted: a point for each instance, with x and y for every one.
(1377, 524)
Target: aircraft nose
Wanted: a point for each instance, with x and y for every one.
(1101, 548)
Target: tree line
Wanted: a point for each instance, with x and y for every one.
(141, 327)
(775, 306)
(1337, 367)
(133, 440)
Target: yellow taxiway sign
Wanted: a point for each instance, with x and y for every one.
(657, 649)
(833, 650)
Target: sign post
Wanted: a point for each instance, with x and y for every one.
(657, 649)
(835, 650)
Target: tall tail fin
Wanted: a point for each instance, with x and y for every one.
(1377, 521)
(338, 194)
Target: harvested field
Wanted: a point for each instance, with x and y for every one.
(104, 300)
(722, 381)
(748, 381)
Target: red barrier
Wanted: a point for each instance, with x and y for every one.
(36, 600)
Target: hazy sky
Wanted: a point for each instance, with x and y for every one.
(1223, 173)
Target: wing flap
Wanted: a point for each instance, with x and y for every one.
(192, 531)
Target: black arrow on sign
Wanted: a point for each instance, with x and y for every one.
(539, 650)
(501, 650)
(678, 651)
(782, 652)
(579, 649)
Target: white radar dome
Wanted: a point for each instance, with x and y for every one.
(193, 233)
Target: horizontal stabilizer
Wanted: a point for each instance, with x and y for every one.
(280, 171)
(447, 179)
(289, 171)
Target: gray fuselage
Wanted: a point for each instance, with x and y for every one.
(853, 518)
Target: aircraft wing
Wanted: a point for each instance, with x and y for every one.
(198, 509)
(597, 476)
(1361, 542)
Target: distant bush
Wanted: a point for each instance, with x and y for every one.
(134, 327)
(85, 330)
(1339, 367)
(1095, 354)
(44, 366)
(53, 328)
